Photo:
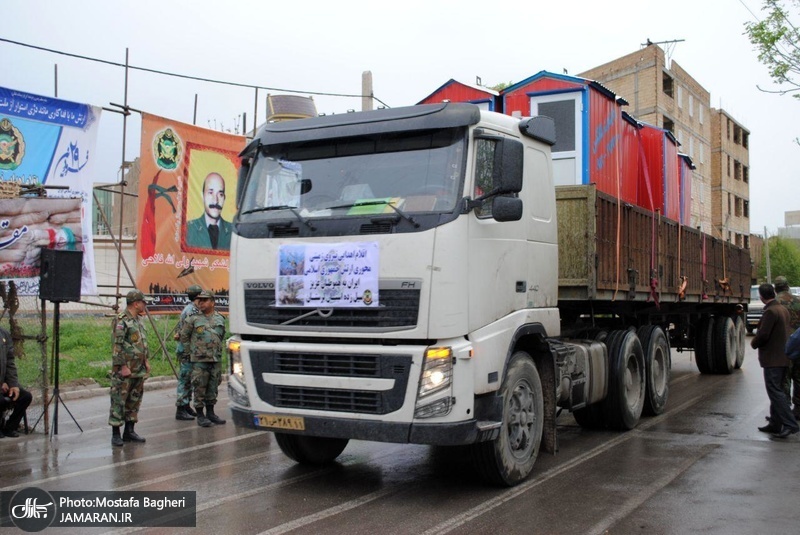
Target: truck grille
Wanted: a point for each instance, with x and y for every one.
(396, 367)
(398, 308)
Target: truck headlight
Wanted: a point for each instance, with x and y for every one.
(437, 371)
(234, 350)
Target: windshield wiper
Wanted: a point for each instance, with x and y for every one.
(292, 209)
(375, 203)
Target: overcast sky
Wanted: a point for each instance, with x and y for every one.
(411, 47)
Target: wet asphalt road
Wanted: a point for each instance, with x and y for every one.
(700, 467)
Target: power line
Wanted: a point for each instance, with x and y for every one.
(186, 76)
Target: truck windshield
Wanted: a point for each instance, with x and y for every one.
(412, 173)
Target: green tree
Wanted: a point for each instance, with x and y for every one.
(784, 256)
(502, 85)
(777, 41)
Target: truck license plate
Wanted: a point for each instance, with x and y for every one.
(296, 423)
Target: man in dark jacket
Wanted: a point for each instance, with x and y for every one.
(12, 395)
(770, 340)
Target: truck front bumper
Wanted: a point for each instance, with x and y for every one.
(446, 434)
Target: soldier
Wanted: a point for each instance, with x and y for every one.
(184, 410)
(792, 304)
(203, 337)
(130, 368)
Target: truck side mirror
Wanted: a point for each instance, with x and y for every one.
(507, 169)
(507, 209)
(244, 170)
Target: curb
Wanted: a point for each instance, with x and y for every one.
(152, 383)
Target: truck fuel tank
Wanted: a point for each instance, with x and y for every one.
(582, 367)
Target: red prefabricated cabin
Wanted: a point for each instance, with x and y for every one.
(659, 189)
(455, 91)
(686, 176)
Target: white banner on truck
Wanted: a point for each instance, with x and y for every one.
(328, 275)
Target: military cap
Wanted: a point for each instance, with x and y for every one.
(205, 294)
(193, 291)
(781, 281)
(136, 295)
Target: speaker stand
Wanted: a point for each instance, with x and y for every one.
(56, 394)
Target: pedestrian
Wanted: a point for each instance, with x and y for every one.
(12, 396)
(130, 368)
(184, 409)
(792, 304)
(203, 337)
(770, 340)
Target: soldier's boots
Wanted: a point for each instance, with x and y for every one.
(190, 410)
(213, 417)
(182, 414)
(202, 421)
(129, 435)
(116, 439)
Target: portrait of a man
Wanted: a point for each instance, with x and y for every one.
(210, 230)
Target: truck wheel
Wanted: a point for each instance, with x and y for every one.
(703, 345)
(740, 335)
(657, 365)
(509, 458)
(626, 385)
(726, 342)
(310, 450)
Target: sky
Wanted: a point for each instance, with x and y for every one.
(411, 48)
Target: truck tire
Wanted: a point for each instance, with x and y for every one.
(741, 336)
(509, 458)
(626, 383)
(704, 345)
(657, 361)
(726, 344)
(310, 450)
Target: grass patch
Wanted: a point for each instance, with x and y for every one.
(85, 351)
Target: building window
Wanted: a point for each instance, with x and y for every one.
(691, 106)
(667, 84)
(700, 112)
(746, 174)
(738, 207)
(737, 170)
(729, 203)
(729, 129)
(747, 242)
(746, 208)
(737, 134)
(729, 165)
(680, 96)
(669, 125)
(691, 146)
(702, 153)
(745, 139)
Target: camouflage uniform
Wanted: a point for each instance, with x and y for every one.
(792, 304)
(185, 373)
(204, 336)
(130, 348)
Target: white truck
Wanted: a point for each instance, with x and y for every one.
(411, 275)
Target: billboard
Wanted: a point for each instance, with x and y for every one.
(187, 192)
(51, 142)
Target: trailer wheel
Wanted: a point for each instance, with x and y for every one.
(626, 386)
(726, 342)
(704, 345)
(741, 337)
(657, 364)
(509, 458)
(310, 450)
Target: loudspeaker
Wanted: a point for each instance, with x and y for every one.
(60, 275)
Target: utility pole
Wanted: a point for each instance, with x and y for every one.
(766, 254)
